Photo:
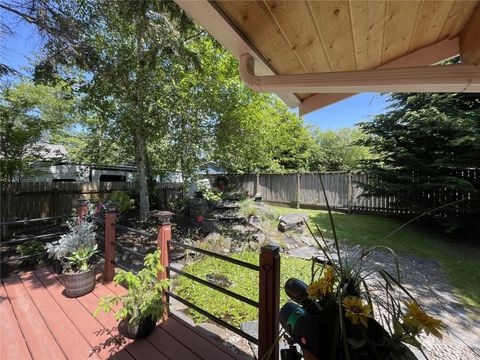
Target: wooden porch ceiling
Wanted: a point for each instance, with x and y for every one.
(309, 37)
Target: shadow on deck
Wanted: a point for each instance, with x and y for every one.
(38, 321)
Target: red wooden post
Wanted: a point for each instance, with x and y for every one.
(82, 209)
(110, 220)
(269, 303)
(163, 236)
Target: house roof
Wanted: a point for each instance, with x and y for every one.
(313, 53)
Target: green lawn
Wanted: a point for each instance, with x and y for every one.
(460, 262)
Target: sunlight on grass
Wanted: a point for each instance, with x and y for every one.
(461, 262)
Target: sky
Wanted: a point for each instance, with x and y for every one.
(16, 51)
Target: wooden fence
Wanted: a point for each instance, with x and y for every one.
(33, 200)
(342, 189)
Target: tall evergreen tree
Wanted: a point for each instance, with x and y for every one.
(422, 143)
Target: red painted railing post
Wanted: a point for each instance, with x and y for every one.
(164, 235)
(82, 209)
(110, 220)
(269, 303)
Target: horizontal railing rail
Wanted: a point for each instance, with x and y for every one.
(42, 237)
(214, 318)
(215, 287)
(216, 255)
(124, 248)
(24, 257)
(38, 220)
(135, 231)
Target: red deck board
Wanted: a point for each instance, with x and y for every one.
(60, 325)
(13, 345)
(96, 335)
(40, 341)
(39, 322)
(202, 346)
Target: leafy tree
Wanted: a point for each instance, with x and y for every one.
(337, 150)
(421, 142)
(30, 114)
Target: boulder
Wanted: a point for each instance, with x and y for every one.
(306, 252)
(293, 221)
(255, 221)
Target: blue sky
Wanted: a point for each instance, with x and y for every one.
(17, 50)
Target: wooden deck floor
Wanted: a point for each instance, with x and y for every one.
(38, 322)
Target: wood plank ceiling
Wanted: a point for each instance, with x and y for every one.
(322, 36)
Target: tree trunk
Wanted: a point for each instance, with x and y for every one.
(140, 146)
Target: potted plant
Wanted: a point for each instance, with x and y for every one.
(75, 251)
(143, 305)
(340, 315)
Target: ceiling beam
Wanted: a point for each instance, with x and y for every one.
(441, 78)
(470, 39)
(428, 55)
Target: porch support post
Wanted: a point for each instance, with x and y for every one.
(109, 267)
(269, 303)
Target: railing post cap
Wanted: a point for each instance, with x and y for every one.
(270, 247)
(162, 217)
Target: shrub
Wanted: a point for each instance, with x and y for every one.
(35, 247)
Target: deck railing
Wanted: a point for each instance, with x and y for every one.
(268, 303)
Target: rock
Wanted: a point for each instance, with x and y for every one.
(291, 242)
(306, 252)
(208, 227)
(250, 327)
(293, 221)
(259, 237)
(219, 280)
(255, 221)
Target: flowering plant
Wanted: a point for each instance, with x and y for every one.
(349, 317)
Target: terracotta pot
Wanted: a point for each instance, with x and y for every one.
(138, 331)
(79, 284)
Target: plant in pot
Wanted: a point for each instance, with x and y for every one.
(75, 251)
(143, 305)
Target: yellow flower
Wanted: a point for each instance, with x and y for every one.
(356, 311)
(416, 319)
(322, 286)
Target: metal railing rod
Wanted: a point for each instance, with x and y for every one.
(214, 318)
(97, 219)
(218, 256)
(28, 221)
(124, 248)
(17, 258)
(139, 232)
(215, 287)
(123, 267)
(32, 238)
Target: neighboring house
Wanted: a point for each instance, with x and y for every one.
(55, 166)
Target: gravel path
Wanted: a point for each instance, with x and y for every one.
(427, 282)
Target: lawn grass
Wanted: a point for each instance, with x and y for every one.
(461, 262)
(243, 281)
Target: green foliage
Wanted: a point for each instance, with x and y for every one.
(122, 200)
(243, 281)
(34, 247)
(337, 150)
(80, 259)
(419, 143)
(145, 293)
(30, 114)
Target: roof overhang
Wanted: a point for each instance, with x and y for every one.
(312, 54)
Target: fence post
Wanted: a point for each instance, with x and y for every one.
(257, 184)
(349, 191)
(269, 303)
(82, 209)
(109, 267)
(298, 190)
